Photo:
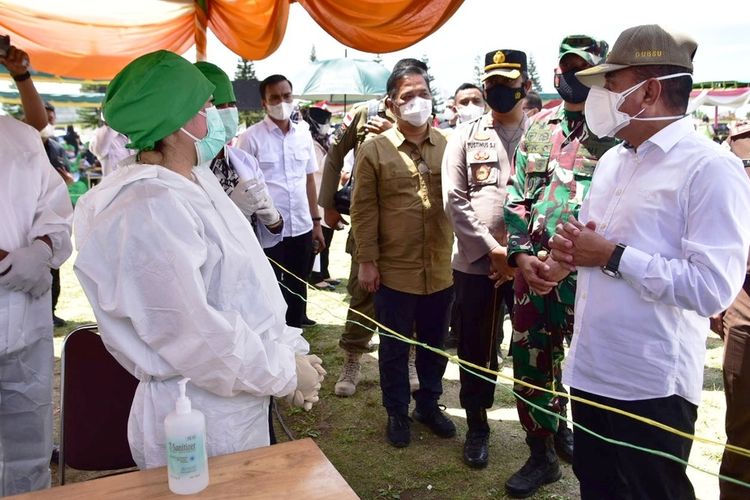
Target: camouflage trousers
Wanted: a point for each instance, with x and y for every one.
(540, 325)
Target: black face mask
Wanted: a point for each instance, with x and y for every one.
(502, 99)
(570, 87)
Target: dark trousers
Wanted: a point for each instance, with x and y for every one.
(294, 253)
(478, 306)
(55, 288)
(737, 392)
(616, 472)
(427, 315)
(323, 274)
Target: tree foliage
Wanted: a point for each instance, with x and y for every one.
(245, 70)
(437, 100)
(534, 75)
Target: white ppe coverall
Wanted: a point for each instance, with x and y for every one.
(181, 288)
(34, 202)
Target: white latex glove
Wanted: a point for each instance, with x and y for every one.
(317, 363)
(27, 269)
(252, 198)
(308, 383)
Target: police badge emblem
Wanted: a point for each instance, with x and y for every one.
(481, 135)
(482, 173)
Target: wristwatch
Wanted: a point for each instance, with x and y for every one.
(612, 267)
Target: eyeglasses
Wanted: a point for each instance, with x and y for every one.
(416, 157)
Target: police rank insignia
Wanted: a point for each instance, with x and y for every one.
(499, 57)
(482, 155)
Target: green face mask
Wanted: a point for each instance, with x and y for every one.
(209, 146)
(231, 120)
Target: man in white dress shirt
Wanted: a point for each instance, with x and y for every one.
(663, 247)
(286, 155)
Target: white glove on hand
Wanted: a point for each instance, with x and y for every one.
(252, 198)
(27, 269)
(309, 377)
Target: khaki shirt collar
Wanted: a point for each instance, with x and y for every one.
(397, 138)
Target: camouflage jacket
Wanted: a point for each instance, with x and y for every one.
(554, 164)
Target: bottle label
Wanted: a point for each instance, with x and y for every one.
(185, 457)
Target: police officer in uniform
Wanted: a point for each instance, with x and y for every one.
(476, 170)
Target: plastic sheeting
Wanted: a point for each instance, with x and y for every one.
(94, 39)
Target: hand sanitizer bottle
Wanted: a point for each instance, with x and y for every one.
(187, 462)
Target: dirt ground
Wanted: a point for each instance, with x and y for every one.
(350, 431)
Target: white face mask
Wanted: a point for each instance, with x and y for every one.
(469, 112)
(448, 114)
(281, 111)
(416, 112)
(602, 109)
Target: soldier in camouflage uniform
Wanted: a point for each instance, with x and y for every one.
(554, 164)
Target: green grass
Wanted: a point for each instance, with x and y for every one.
(350, 431)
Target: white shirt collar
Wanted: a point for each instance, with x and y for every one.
(271, 126)
(670, 135)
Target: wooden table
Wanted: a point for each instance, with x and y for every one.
(297, 469)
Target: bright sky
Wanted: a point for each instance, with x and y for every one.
(478, 27)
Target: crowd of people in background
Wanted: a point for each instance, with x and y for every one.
(608, 224)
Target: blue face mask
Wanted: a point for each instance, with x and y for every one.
(209, 146)
(231, 120)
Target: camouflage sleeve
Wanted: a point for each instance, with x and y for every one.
(365, 211)
(345, 140)
(517, 210)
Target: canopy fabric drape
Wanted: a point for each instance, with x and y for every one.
(93, 40)
(380, 25)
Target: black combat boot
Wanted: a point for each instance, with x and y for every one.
(541, 468)
(564, 441)
(476, 446)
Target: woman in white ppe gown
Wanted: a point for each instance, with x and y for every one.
(34, 236)
(177, 280)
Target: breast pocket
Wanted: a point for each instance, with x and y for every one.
(299, 163)
(399, 189)
(537, 175)
(268, 160)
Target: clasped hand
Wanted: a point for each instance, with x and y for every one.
(575, 244)
(310, 375)
(27, 269)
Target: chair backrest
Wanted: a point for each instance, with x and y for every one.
(96, 393)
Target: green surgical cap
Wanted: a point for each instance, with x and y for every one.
(224, 92)
(153, 96)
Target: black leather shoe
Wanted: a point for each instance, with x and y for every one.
(439, 424)
(398, 431)
(564, 443)
(307, 323)
(58, 321)
(476, 449)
